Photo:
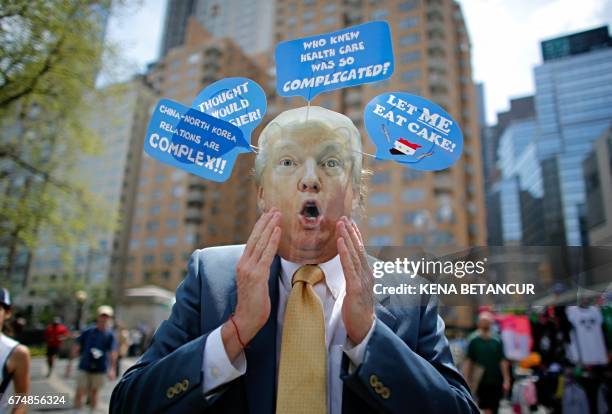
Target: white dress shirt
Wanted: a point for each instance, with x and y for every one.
(218, 369)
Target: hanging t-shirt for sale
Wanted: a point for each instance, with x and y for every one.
(587, 342)
(516, 336)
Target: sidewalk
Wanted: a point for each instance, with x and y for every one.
(57, 384)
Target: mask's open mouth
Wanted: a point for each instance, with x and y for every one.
(310, 215)
(310, 210)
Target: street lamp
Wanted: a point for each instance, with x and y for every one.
(81, 297)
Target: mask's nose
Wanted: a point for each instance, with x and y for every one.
(310, 179)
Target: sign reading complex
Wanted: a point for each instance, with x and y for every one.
(194, 141)
(352, 56)
(413, 131)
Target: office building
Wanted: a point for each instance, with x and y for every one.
(175, 24)
(176, 212)
(573, 107)
(118, 117)
(249, 23)
(597, 168)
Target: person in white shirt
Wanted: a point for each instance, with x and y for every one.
(14, 361)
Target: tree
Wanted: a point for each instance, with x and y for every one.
(50, 52)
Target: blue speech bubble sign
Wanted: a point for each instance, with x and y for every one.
(352, 56)
(193, 141)
(413, 131)
(240, 101)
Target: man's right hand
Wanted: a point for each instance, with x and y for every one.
(252, 273)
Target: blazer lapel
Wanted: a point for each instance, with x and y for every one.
(260, 377)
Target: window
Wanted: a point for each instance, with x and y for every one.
(166, 275)
(412, 217)
(411, 75)
(329, 20)
(170, 241)
(171, 224)
(410, 57)
(175, 207)
(413, 239)
(309, 28)
(380, 14)
(410, 39)
(152, 225)
(413, 195)
(380, 241)
(443, 237)
(380, 220)
(148, 259)
(408, 22)
(308, 15)
(410, 175)
(151, 242)
(154, 209)
(177, 191)
(329, 8)
(407, 5)
(380, 178)
(168, 257)
(380, 198)
(193, 58)
(134, 244)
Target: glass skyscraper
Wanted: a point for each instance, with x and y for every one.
(573, 106)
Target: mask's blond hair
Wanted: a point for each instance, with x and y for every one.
(315, 119)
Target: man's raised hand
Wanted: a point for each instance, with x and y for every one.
(358, 306)
(252, 273)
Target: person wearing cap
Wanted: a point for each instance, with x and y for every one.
(55, 334)
(288, 323)
(485, 358)
(98, 355)
(14, 359)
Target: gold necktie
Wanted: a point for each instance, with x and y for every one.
(302, 374)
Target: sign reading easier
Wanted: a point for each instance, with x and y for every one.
(194, 141)
(312, 65)
(413, 131)
(239, 101)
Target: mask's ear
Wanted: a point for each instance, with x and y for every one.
(261, 204)
(344, 135)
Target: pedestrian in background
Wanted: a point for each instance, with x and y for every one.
(485, 358)
(98, 355)
(55, 334)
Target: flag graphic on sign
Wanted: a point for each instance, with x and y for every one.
(404, 147)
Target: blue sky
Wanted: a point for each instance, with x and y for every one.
(505, 37)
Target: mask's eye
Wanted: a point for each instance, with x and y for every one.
(331, 163)
(286, 162)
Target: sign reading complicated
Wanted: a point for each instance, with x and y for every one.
(352, 56)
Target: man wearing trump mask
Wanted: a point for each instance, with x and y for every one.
(288, 323)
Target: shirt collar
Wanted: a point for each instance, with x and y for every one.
(332, 269)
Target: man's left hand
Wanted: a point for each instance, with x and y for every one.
(358, 306)
(111, 374)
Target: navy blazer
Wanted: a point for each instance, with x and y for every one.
(407, 365)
